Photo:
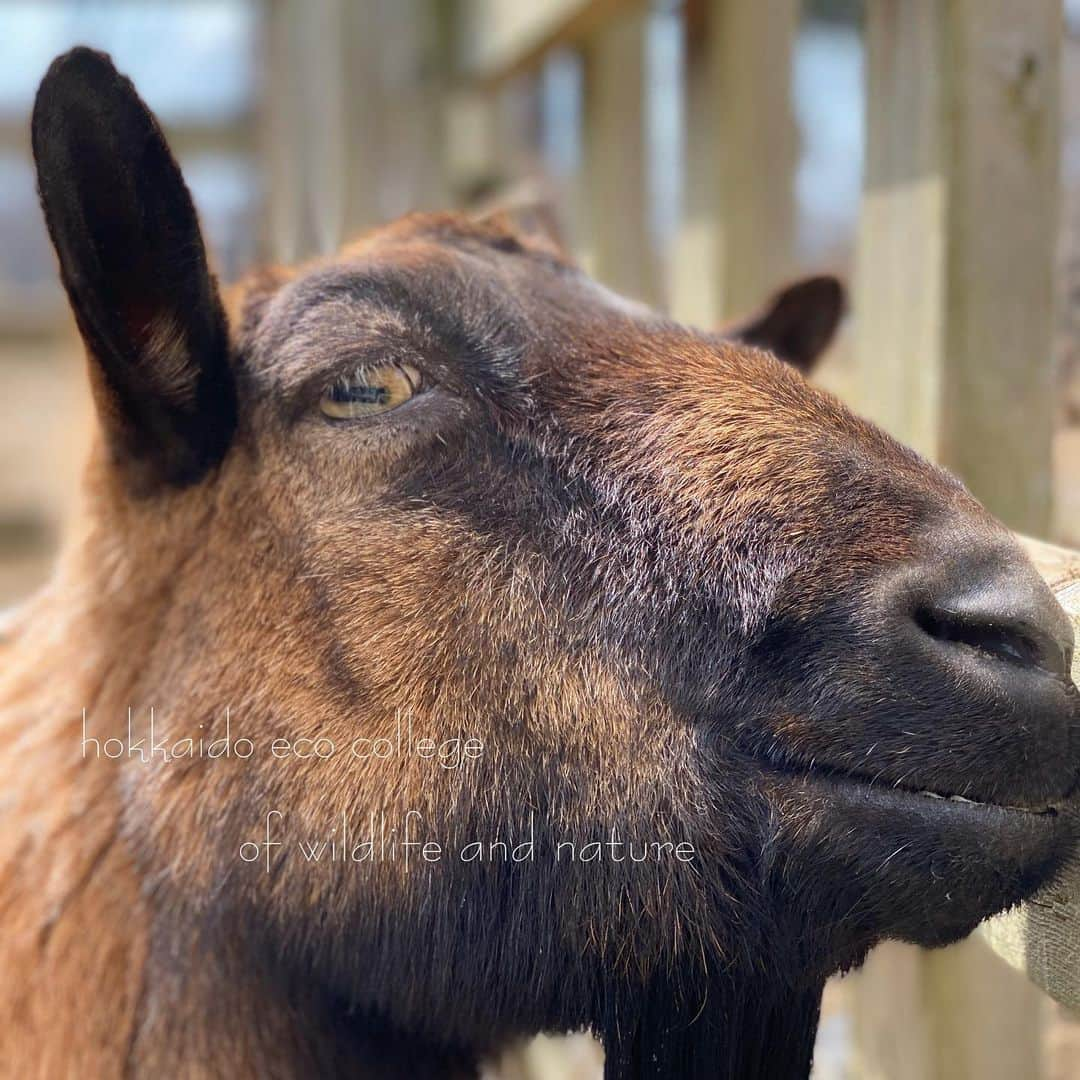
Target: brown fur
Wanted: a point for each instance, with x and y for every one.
(644, 565)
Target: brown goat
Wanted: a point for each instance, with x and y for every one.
(442, 488)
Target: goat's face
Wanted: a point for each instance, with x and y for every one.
(448, 483)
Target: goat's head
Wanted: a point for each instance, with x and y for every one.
(444, 479)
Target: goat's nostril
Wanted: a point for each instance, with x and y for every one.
(1018, 643)
(1002, 609)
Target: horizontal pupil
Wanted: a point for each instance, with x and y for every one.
(360, 395)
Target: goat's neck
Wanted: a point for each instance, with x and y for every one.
(737, 1029)
(113, 978)
(138, 986)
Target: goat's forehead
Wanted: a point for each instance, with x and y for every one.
(466, 295)
(325, 312)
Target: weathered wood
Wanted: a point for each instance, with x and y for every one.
(985, 1021)
(736, 243)
(956, 247)
(890, 1029)
(562, 126)
(1042, 937)
(321, 132)
(755, 142)
(1005, 65)
(900, 279)
(354, 119)
(471, 154)
(502, 38)
(284, 236)
(695, 289)
(414, 56)
(618, 248)
(953, 305)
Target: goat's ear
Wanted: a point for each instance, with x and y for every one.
(531, 217)
(537, 218)
(134, 266)
(798, 322)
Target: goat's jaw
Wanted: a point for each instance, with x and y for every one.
(904, 863)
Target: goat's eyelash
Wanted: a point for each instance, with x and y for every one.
(371, 390)
(307, 395)
(359, 373)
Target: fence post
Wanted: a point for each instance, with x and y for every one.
(617, 246)
(954, 345)
(322, 135)
(750, 48)
(695, 285)
(954, 288)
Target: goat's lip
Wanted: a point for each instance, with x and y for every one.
(955, 806)
(943, 802)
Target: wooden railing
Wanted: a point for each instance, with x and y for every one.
(1042, 938)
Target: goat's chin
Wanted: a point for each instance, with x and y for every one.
(867, 862)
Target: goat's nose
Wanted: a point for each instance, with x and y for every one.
(993, 601)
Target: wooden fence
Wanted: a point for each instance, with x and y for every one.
(378, 105)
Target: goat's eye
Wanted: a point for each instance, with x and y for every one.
(370, 390)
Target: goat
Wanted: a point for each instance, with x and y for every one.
(783, 687)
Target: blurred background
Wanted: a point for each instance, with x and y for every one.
(700, 153)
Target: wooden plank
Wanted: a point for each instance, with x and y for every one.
(1042, 937)
(472, 159)
(900, 281)
(284, 238)
(954, 317)
(998, 386)
(562, 127)
(320, 144)
(695, 289)
(953, 307)
(890, 1025)
(985, 1021)
(618, 248)
(499, 39)
(358, 117)
(413, 49)
(755, 143)
(951, 1014)
(353, 119)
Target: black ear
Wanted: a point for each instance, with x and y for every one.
(798, 323)
(134, 266)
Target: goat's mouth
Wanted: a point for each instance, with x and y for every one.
(908, 862)
(945, 802)
(1049, 810)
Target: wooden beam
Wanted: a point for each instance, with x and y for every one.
(499, 39)
(295, 174)
(1042, 937)
(618, 247)
(955, 281)
(890, 1023)
(900, 276)
(954, 344)
(237, 136)
(749, 54)
(563, 128)
(695, 287)
(414, 57)
(352, 121)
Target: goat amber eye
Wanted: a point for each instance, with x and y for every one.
(370, 390)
